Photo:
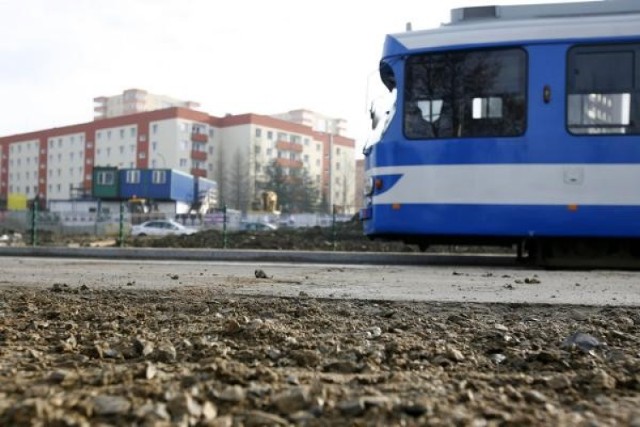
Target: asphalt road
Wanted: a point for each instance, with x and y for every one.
(445, 283)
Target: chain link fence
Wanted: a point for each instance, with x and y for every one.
(34, 227)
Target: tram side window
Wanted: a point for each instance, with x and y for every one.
(602, 89)
(466, 94)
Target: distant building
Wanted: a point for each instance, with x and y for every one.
(234, 150)
(317, 122)
(134, 101)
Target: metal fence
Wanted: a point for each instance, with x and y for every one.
(40, 227)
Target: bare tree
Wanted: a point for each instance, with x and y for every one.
(221, 176)
(239, 185)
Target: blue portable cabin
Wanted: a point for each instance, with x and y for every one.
(204, 187)
(156, 184)
(205, 194)
(510, 123)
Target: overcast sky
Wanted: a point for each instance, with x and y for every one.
(258, 56)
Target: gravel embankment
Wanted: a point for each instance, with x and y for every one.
(78, 356)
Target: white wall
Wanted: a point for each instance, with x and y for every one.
(65, 164)
(116, 146)
(23, 167)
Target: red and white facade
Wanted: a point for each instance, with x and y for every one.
(52, 163)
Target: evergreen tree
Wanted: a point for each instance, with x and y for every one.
(296, 190)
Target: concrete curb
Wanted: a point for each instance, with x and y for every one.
(227, 255)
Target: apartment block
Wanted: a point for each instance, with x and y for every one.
(316, 121)
(57, 164)
(133, 101)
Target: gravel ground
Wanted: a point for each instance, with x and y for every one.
(79, 356)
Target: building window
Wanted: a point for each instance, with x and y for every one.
(601, 98)
(108, 134)
(258, 132)
(154, 146)
(269, 134)
(132, 132)
(121, 148)
(158, 177)
(154, 128)
(132, 177)
(466, 94)
(183, 163)
(142, 155)
(105, 177)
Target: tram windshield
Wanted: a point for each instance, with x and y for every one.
(465, 94)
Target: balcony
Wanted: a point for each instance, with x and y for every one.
(199, 155)
(199, 172)
(288, 163)
(289, 146)
(199, 137)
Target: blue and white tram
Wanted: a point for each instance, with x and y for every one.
(510, 125)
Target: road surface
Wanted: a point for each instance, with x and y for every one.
(410, 283)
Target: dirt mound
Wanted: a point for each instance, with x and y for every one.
(346, 236)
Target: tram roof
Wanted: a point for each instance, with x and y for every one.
(495, 25)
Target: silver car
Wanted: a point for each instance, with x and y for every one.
(161, 227)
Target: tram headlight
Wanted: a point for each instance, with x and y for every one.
(368, 186)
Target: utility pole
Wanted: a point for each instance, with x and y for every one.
(331, 169)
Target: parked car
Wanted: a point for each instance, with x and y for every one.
(257, 226)
(161, 227)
